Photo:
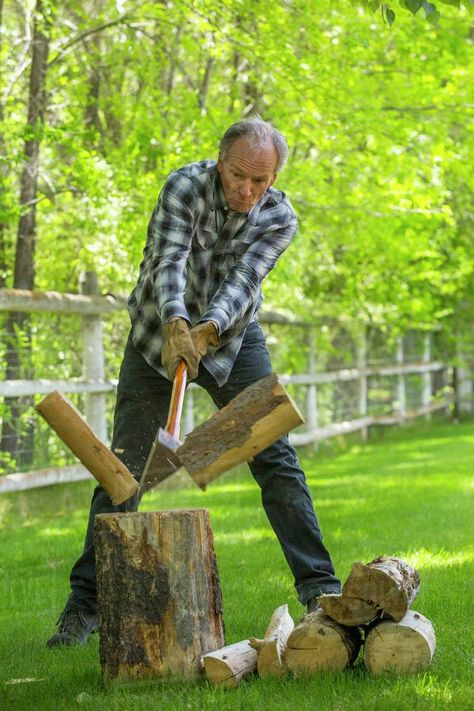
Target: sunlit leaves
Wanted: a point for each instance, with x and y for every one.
(377, 116)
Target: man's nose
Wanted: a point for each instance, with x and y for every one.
(245, 188)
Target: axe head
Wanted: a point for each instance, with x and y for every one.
(162, 460)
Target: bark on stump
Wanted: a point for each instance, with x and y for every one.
(158, 593)
(384, 587)
(319, 644)
(406, 646)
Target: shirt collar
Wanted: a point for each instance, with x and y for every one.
(218, 201)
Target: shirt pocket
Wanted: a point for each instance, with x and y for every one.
(204, 239)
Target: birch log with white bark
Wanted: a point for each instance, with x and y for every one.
(406, 646)
(271, 649)
(227, 666)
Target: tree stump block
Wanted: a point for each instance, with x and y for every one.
(384, 587)
(319, 644)
(159, 595)
(406, 646)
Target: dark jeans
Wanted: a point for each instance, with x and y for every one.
(141, 408)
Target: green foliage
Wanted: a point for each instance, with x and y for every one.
(431, 13)
(378, 120)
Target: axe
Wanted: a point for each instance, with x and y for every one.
(162, 460)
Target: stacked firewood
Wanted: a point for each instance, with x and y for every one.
(371, 614)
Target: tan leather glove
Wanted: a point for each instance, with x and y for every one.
(178, 344)
(204, 335)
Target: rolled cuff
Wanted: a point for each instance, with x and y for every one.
(219, 316)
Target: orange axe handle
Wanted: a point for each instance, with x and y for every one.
(177, 399)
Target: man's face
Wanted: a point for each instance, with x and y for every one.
(246, 173)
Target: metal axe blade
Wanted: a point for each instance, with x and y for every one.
(162, 460)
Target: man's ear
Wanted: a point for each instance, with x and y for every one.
(220, 167)
(275, 175)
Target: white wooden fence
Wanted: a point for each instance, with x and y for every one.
(94, 308)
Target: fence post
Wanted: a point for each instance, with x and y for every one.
(463, 380)
(311, 392)
(427, 377)
(362, 365)
(401, 389)
(93, 359)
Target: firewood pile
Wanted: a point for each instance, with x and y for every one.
(371, 618)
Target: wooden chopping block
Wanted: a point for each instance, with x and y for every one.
(158, 592)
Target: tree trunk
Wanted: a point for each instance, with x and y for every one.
(3, 180)
(17, 326)
(319, 644)
(271, 649)
(406, 646)
(26, 238)
(227, 666)
(384, 587)
(158, 593)
(93, 48)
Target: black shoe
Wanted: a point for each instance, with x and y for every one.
(74, 627)
(313, 604)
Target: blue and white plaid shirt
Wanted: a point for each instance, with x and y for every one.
(202, 262)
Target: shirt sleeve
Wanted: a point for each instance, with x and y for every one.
(170, 235)
(240, 289)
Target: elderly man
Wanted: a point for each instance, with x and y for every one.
(216, 232)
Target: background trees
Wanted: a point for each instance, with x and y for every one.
(377, 117)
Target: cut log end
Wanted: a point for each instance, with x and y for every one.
(319, 644)
(405, 647)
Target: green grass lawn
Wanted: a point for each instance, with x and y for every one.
(408, 492)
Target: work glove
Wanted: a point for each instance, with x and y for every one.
(178, 345)
(204, 335)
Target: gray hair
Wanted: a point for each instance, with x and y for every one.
(258, 133)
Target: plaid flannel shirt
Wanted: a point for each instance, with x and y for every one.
(200, 266)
